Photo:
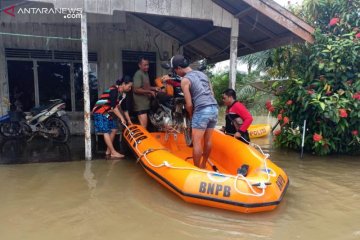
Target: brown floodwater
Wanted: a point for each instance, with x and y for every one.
(106, 199)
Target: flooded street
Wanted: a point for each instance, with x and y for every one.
(106, 199)
(71, 67)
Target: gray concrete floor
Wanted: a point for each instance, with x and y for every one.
(39, 150)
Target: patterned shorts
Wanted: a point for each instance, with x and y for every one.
(103, 124)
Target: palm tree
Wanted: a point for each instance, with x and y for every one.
(257, 60)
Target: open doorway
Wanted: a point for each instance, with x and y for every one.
(21, 85)
(130, 63)
(130, 66)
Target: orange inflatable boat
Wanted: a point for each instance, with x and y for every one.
(259, 130)
(246, 180)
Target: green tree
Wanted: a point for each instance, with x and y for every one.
(245, 92)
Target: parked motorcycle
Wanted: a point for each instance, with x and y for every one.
(49, 121)
(10, 125)
(168, 113)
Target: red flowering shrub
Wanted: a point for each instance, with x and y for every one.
(277, 132)
(286, 120)
(334, 21)
(343, 113)
(317, 137)
(268, 103)
(324, 81)
(356, 96)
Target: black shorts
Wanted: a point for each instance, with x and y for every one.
(244, 135)
(137, 113)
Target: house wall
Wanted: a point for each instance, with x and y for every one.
(4, 86)
(195, 9)
(107, 36)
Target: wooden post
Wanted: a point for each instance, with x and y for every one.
(85, 64)
(233, 51)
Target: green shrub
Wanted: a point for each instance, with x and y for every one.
(324, 86)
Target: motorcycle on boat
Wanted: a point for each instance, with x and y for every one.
(168, 113)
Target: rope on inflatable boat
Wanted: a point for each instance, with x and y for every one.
(250, 183)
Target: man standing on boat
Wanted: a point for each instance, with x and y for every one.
(201, 106)
(238, 118)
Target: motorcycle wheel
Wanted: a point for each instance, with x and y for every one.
(10, 130)
(26, 131)
(62, 130)
(188, 132)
